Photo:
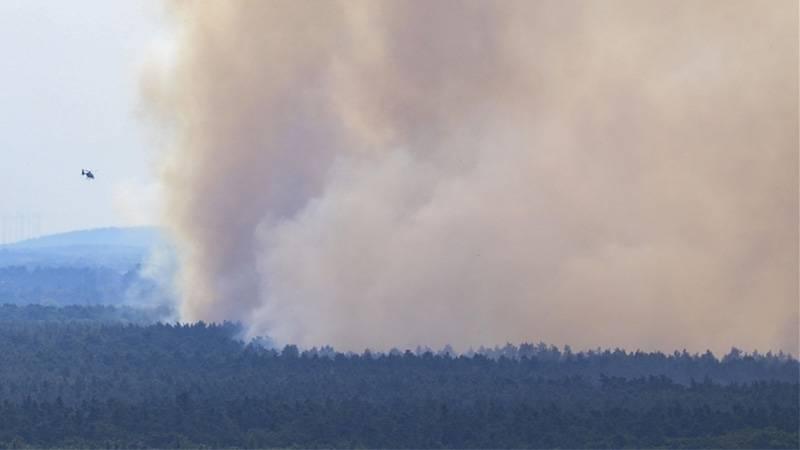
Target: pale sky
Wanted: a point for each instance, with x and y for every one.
(69, 99)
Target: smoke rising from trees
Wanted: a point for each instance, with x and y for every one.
(377, 174)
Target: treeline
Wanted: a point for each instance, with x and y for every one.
(84, 384)
(84, 313)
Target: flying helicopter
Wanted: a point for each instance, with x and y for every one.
(87, 173)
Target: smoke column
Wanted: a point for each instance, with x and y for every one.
(378, 174)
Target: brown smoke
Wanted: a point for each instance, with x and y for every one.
(376, 174)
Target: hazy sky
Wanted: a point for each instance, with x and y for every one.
(68, 100)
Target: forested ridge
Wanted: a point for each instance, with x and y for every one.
(74, 285)
(87, 383)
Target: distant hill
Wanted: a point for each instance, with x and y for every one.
(118, 248)
(127, 237)
(86, 267)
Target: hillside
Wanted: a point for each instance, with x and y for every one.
(113, 236)
(116, 248)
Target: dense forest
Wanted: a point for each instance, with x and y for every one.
(72, 378)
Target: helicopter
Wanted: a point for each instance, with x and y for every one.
(87, 173)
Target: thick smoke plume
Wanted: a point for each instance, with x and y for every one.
(377, 174)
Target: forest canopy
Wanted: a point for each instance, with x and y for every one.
(69, 381)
